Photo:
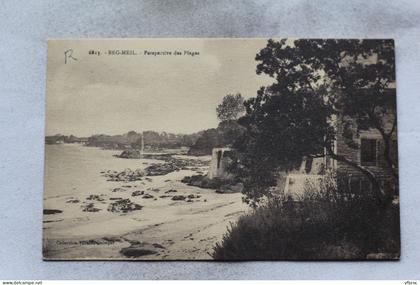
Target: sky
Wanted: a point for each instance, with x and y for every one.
(112, 94)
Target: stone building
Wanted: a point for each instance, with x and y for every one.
(363, 146)
(220, 160)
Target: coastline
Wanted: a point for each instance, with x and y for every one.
(162, 229)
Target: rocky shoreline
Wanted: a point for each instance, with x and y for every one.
(169, 164)
(142, 210)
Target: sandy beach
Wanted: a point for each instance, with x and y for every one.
(163, 228)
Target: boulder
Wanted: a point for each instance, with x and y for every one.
(51, 211)
(157, 245)
(118, 190)
(123, 206)
(130, 154)
(127, 175)
(137, 193)
(178, 198)
(98, 198)
(90, 207)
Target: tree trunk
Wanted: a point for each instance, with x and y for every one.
(378, 191)
(387, 139)
(387, 155)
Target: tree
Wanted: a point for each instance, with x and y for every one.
(205, 143)
(231, 107)
(315, 81)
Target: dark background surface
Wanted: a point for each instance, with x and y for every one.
(25, 27)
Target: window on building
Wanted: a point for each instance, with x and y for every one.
(368, 152)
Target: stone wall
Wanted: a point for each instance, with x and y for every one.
(219, 162)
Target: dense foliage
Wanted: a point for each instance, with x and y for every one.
(152, 139)
(231, 108)
(325, 225)
(315, 80)
(225, 134)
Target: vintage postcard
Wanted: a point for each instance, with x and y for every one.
(221, 149)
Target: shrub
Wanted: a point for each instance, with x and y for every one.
(324, 224)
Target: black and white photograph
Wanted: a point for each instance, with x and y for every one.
(221, 149)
